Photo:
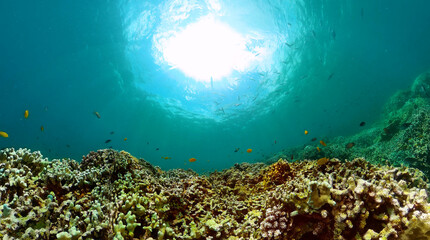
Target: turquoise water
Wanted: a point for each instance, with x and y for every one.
(328, 66)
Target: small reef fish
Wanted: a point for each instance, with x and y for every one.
(249, 150)
(292, 157)
(192, 159)
(362, 124)
(97, 114)
(323, 143)
(67, 145)
(157, 149)
(319, 150)
(26, 114)
(386, 131)
(306, 132)
(107, 141)
(313, 139)
(322, 161)
(125, 139)
(166, 157)
(349, 145)
(236, 150)
(112, 132)
(275, 141)
(42, 128)
(3, 134)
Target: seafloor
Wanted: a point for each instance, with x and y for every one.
(337, 195)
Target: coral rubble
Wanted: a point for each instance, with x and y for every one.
(113, 195)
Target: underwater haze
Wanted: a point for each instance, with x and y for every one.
(178, 79)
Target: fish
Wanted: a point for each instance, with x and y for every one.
(275, 141)
(249, 150)
(3, 134)
(323, 143)
(192, 159)
(42, 128)
(236, 150)
(319, 150)
(362, 124)
(159, 171)
(330, 76)
(405, 125)
(125, 139)
(108, 141)
(166, 157)
(314, 139)
(306, 132)
(67, 145)
(97, 114)
(292, 157)
(112, 132)
(333, 34)
(26, 114)
(386, 131)
(157, 149)
(322, 161)
(349, 145)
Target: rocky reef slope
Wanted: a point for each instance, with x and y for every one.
(113, 195)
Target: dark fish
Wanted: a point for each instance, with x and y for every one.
(67, 145)
(333, 35)
(313, 139)
(349, 145)
(236, 150)
(108, 141)
(362, 124)
(147, 143)
(292, 157)
(386, 131)
(330, 76)
(275, 141)
(112, 132)
(157, 149)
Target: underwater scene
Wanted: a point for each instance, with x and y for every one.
(215, 119)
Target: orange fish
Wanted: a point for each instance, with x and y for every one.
(26, 114)
(3, 134)
(322, 161)
(166, 157)
(125, 139)
(249, 150)
(97, 114)
(319, 150)
(42, 128)
(306, 132)
(323, 143)
(192, 159)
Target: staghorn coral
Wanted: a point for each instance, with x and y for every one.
(113, 195)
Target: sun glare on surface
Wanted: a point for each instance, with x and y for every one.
(207, 49)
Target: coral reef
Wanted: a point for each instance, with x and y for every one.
(113, 195)
(399, 138)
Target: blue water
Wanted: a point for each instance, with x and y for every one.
(332, 65)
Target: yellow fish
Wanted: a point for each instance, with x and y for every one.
(3, 134)
(125, 139)
(306, 132)
(319, 150)
(323, 143)
(26, 114)
(42, 128)
(97, 114)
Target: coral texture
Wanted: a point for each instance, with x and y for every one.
(113, 195)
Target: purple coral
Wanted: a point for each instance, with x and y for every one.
(275, 222)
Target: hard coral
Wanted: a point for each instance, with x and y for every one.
(300, 200)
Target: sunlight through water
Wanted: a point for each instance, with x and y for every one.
(208, 60)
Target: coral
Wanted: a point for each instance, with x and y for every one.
(113, 195)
